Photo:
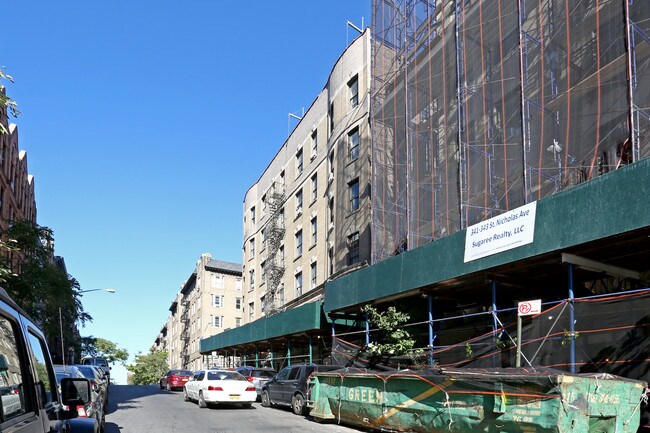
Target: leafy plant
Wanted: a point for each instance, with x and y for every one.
(567, 336)
(469, 352)
(6, 101)
(392, 339)
(105, 349)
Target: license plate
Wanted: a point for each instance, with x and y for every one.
(234, 396)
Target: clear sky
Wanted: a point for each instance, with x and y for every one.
(146, 121)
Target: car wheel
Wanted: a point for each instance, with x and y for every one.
(161, 387)
(298, 404)
(202, 403)
(185, 396)
(266, 400)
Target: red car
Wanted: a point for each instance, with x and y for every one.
(175, 379)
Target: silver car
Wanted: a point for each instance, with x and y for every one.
(256, 376)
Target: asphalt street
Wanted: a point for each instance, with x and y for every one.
(148, 409)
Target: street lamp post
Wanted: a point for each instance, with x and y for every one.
(61, 316)
(95, 290)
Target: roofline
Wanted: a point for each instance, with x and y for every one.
(329, 77)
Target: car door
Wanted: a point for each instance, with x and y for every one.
(289, 385)
(195, 384)
(275, 386)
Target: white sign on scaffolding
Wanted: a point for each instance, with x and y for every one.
(509, 230)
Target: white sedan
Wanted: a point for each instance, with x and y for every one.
(219, 386)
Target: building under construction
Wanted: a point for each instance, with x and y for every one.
(481, 106)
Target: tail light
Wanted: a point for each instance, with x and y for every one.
(250, 378)
(250, 388)
(81, 411)
(215, 388)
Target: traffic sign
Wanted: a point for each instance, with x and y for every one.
(530, 308)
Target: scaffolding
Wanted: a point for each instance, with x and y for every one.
(479, 107)
(274, 235)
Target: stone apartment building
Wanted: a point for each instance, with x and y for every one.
(307, 216)
(17, 200)
(209, 302)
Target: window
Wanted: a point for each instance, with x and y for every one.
(251, 311)
(298, 243)
(299, 202)
(238, 283)
(331, 158)
(331, 211)
(314, 187)
(331, 117)
(313, 275)
(253, 215)
(237, 322)
(353, 86)
(299, 162)
(263, 269)
(263, 205)
(284, 373)
(353, 144)
(12, 378)
(354, 194)
(314, 231)
(44, 381)
(251, 249)
(298, 284)
(252, 279)
(281, 293)
(217, 321)
(217, 281)
(238, 304)
(263, 240)
(353, 248)
(314, 143)
(330, 258)
(217, 301)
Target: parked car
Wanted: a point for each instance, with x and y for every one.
(219, 386)
(289, 386)
(256, 376)
(29, 398)
(175, 379)
(100, 362)
(95, 408)
(97, 383)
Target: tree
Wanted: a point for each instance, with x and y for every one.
(43, 289)
(391, 339)
(149, 368)
(5, 101)
(104, 348)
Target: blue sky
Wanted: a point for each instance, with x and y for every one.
(145, 122)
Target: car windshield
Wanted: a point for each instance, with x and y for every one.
(261, 373)
(88, 372)
(60, 376)
(181, 373)
(225, 375)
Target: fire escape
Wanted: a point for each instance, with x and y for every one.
(274, 232)
(185, 332)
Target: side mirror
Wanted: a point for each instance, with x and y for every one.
(75, 391)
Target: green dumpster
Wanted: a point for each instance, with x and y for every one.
(532, 400)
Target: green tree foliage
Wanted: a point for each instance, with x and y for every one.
(391, 339)
(5, 101)
(149, 368)
(105, 349)
(41, 288)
